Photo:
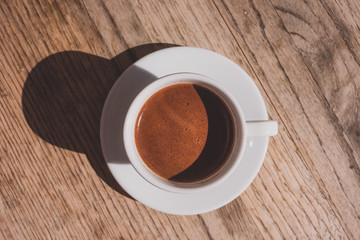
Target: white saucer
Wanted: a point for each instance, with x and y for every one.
(145, 71)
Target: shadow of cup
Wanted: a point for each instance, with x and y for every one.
(64, 95)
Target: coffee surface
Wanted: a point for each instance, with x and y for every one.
(184, 133)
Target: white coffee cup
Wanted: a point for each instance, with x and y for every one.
(243, 129)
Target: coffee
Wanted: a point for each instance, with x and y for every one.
(184, 133)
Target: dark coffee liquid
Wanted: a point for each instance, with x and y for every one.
(184, 133)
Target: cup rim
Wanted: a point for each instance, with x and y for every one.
(129, 137)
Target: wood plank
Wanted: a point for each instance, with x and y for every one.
(331, 53)
(312, 149)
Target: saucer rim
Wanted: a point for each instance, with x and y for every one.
(114, 168)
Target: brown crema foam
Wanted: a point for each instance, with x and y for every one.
(184, 133)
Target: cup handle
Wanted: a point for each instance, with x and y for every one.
(261, 128)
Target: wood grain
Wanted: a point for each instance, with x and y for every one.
(58, 60)
(312, 132)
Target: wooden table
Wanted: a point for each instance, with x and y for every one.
(59, 59)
